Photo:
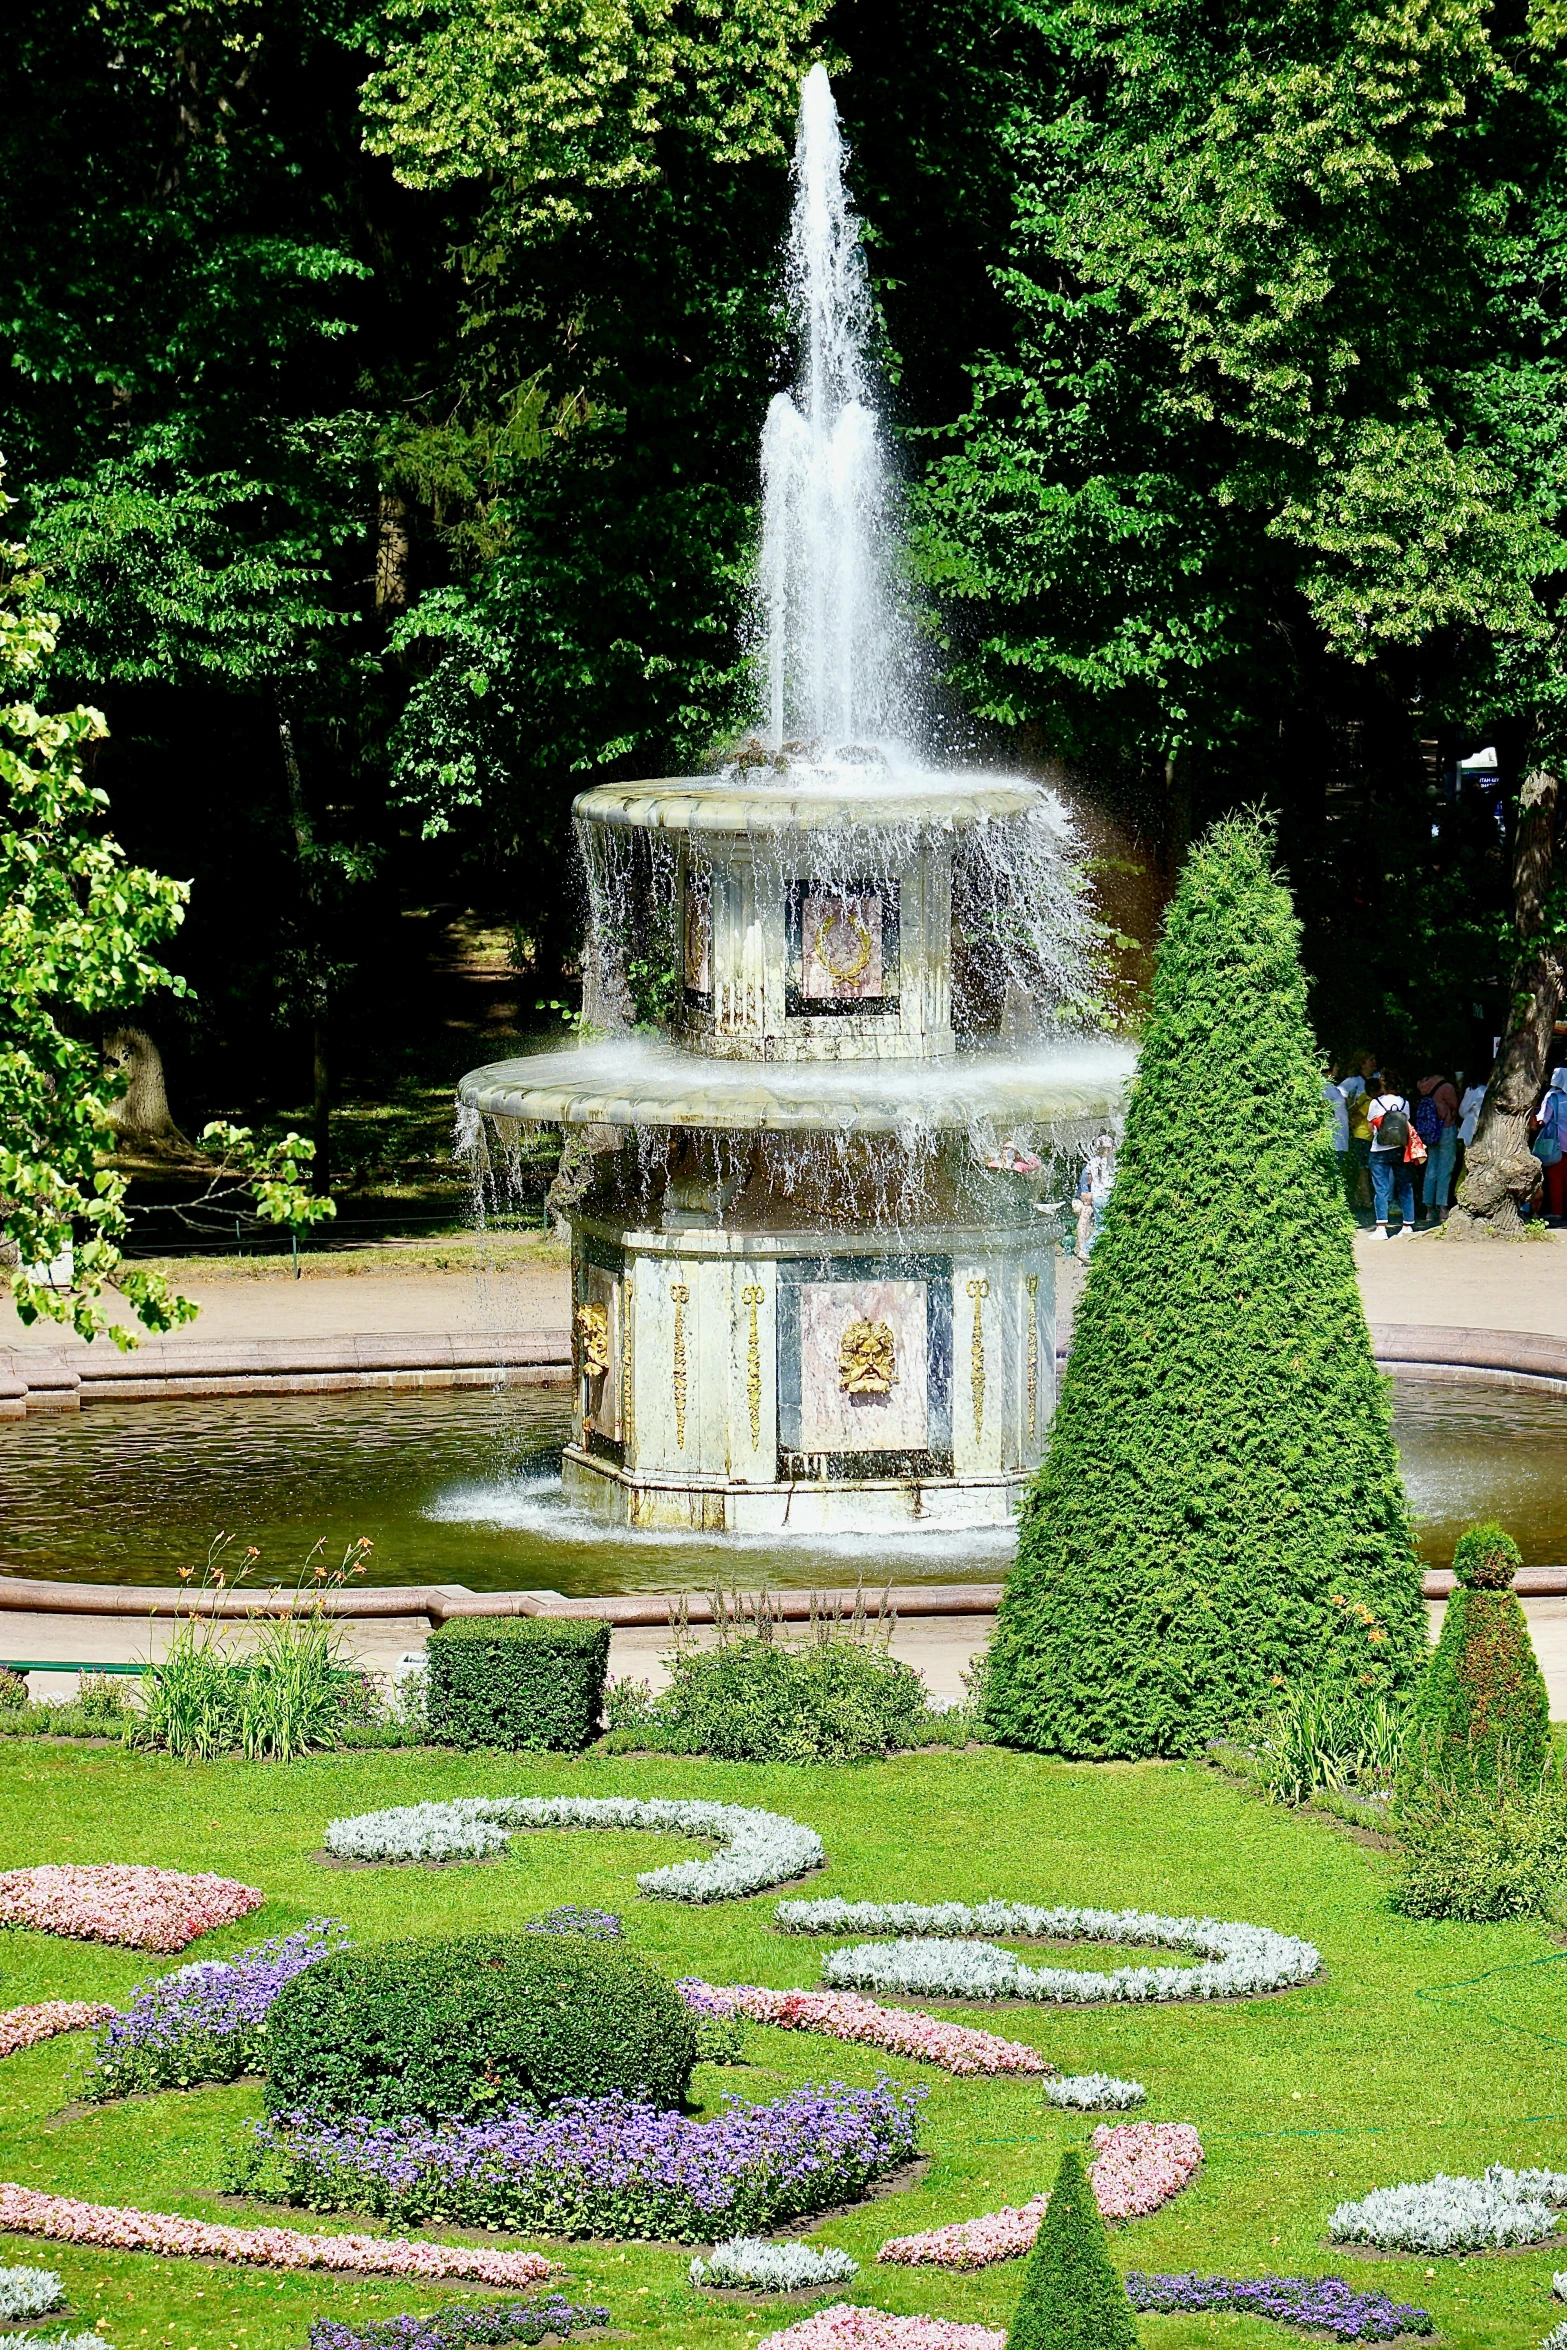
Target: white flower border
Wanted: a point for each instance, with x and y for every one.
(1447, 2215)
(936, 1955)
(752, 2262)
(760, 1848)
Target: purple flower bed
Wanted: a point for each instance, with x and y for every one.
(204, 2022)
(1325, 2302)
(594, 1925)
(595, 2166)
(456, 2328)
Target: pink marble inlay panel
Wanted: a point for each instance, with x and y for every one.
(830, 1419)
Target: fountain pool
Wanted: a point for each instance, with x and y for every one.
(462, 1485)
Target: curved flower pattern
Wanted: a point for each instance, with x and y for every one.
(600, 2166)
(24, 2212)
(24, 2027)
(844, 2016)
(762, 1848)
(458, 2328)
(1093, 2092)
(844, 2327)
(750, 2261)
(936, 1955)
(1324, 2304)
(1136, 2167)
(143, 1909)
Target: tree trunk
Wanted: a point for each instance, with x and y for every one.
(304, 842)
(391, 553)
(1500, 1170)
(143, 1127)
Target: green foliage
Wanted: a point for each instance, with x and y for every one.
(1482, 1852)
(13, 1689)
(754, 1700)
(522, 1682)
(471, 2026)
(1313, 1740)
(1220, 1511)
(1481, 1712)
(1072, 2297)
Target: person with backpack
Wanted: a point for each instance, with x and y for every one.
(1392, 1175)
(1436, 1123)
(1550, 1145)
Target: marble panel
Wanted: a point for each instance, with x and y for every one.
(863, 1365)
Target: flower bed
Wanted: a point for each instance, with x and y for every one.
(143, 1909)
(600, 2166)
(112, 2228)
(206, 2022)
(1093, 2093)
(1327, 2304)
(1136, 2167)
(751, 2262)
(1455, 2215)
(844, 2327)
(762, 1848)
(29, 2292)
(24, 2027)
(843, 2016)
(458, 2328)
(936, 1954)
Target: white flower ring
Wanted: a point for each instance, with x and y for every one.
(936, 1955)
(760, 1848)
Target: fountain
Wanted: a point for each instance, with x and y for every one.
(835, 1042)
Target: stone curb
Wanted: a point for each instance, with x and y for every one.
(39, 1379)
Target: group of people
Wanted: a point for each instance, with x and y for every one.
(1385, 1139)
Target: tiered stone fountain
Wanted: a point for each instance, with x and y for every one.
(812, 1288)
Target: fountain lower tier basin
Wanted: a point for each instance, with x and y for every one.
(808, 1382)
(1063, 1091)
(874, 799)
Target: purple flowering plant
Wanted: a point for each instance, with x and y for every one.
(593, 1925)
(1326, 2303)
(459, 2326)
(205, 2022)
(595, 2166)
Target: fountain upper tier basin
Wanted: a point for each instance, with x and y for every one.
(637, 1082)
(832, 798)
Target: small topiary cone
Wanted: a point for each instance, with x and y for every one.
(1072, 2297)
(1481, 1710)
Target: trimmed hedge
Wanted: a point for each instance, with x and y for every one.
(465, 2029)
(522, 1682)
(1220, 1512)
(1072, 2298)
(1481, 1711)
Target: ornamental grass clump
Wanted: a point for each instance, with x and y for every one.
(1480, 1714)
(1220, 1511)
(478, 2026)
(1072, 2298)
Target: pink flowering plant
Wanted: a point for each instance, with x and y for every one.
(24, 2027)
(139, 1908)
(845, 2327)
(844, 2015)
(114, 2228)
(1136, 2167)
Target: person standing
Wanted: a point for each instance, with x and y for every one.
(1392, 1178)
(1357, 1089)
(1093, 1194)
(1338, 1114)
(1436, 1123)
(1550, 1145)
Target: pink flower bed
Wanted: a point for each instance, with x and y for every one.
(1136, 2167)
(24, 2027)
(146, 1909)
(844, 2015)
(844, 2327)
(26, 2213)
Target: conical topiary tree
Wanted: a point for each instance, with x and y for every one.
(1220, 1512)
(1072, 2298)
(1482, 1708)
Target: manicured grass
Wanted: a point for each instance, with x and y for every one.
(1380, 2071)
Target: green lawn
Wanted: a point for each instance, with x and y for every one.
(1382, 2070)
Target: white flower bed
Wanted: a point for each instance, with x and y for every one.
(29, 2292)
(1556, 2339)
(1093, 2092)
(934, 1957)
(761, 1848)
(1455, 2215)
(772, 2268)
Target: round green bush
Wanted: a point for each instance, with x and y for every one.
(466, 2028)
(1487, 1558)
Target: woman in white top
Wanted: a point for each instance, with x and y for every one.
(1391, 1175)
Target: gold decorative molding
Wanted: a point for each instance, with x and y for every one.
(681, 1294)
(859, 962)
(591, 1330)
(978, 1291)
(866, 1360)
(752, 1296)
(1031, 1284)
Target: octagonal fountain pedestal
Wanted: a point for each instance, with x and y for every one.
(812, 1290)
